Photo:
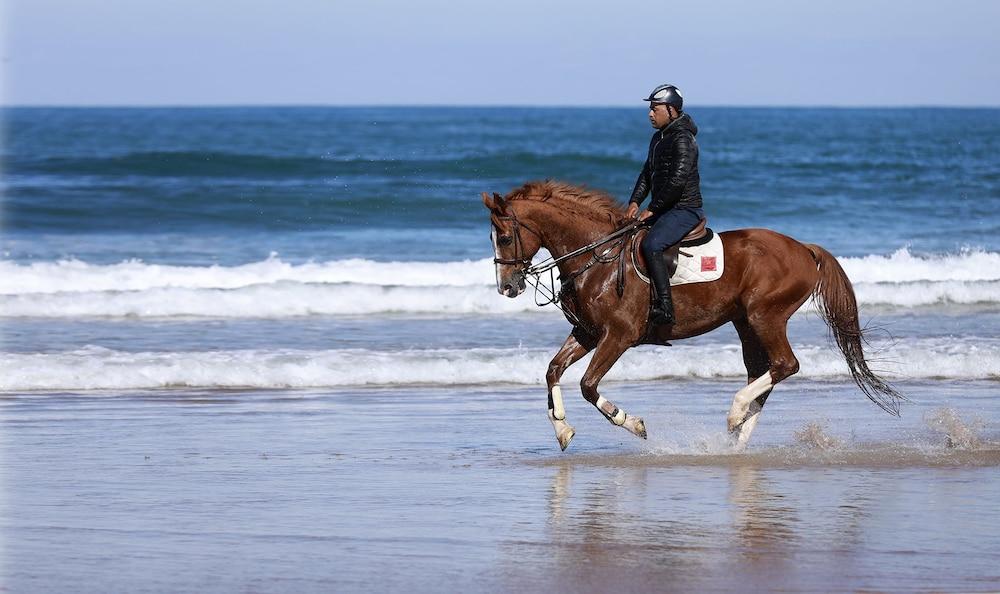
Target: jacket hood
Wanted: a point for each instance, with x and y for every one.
(682, 123)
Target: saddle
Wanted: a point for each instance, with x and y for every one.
(699, 235)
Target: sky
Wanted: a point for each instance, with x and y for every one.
(500, 52)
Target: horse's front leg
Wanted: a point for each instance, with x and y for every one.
(608, 351)
(571, 352)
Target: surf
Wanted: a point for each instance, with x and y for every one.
(99, 368)
(275, 288)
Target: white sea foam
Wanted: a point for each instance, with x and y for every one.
(96, 368)
(924, 293)
(290, 299)
(134, 275)
(903, 267)
(275, 289)
(277, 300)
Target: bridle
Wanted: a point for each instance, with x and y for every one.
(546, 294)
(518, 259)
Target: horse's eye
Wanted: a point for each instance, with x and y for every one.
(505, 240)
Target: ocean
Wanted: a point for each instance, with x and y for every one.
(263, 349)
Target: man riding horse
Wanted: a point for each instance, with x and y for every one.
(671, 173)
(764, 278)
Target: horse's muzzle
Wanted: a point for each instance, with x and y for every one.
(514, 286)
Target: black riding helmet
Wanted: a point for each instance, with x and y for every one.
(667, 95)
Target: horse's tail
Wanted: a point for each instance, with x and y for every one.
(835, 299)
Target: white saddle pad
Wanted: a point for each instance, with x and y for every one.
(695, 264)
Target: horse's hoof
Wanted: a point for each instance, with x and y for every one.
(564, 437)
(635, 426)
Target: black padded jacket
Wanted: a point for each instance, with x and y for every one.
(671, 168)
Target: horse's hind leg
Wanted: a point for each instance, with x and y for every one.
(571, 352)
(772, 336)
(607, 353)
(756, 361)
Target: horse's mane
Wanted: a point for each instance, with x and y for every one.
(592, 203)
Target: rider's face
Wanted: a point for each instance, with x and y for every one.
(659, 115)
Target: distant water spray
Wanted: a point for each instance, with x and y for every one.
(957, 433)
(814, 436)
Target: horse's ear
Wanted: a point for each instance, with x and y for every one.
(489, 202)
(501, 205)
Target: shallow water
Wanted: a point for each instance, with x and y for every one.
(262, 350)
(465, 489)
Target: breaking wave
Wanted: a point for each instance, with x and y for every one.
(97, 368)
(135, 275)
(903, 267)
(274, 289)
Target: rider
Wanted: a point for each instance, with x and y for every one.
(671, 172)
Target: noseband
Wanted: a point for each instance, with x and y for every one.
(518, 259)
(533, 274)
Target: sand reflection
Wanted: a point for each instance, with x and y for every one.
(671, 529)
(763, 521)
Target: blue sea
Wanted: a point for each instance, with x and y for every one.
(275, 332)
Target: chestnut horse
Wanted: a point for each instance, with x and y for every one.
(766, 278)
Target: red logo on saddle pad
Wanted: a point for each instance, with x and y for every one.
(707, 263)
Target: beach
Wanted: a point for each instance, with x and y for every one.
(430, 489)
(262, 350)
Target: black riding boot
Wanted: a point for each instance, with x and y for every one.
(663, 305)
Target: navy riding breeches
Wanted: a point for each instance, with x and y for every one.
(669, 228)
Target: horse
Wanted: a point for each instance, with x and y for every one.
(766, 277)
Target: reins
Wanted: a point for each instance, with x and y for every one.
(546, 294)
(550, 263)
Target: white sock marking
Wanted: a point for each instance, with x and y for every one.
(750, 392)
(743, 399)
(748, 425)
(614, 413)
(558, 410)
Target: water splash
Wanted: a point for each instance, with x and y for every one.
(958, 434)
(814, 436)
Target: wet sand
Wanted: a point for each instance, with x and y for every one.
(464, 489)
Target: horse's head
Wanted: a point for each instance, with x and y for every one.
(514, 244)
